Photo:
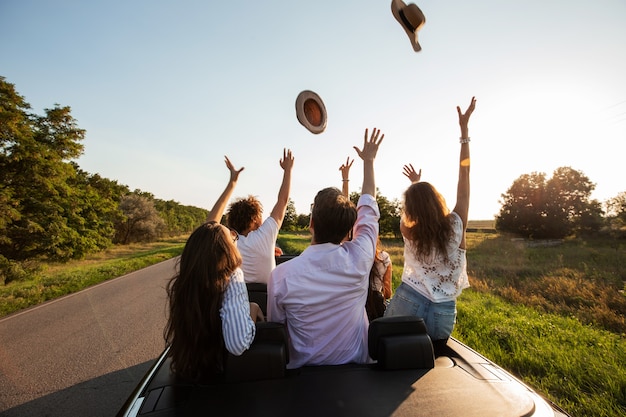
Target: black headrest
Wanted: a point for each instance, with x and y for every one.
(398, 342)
(266, 358)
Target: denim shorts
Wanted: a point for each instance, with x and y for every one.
(439, 317)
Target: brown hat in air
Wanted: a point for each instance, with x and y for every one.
(311, 111)
(410, 18)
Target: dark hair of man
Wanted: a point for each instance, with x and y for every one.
(428, 220)
(333, 216)
(242, 212)
(194, 326)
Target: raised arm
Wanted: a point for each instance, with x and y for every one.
(368, 154)
(220, 205)
(278, 212)
(463, 187)
(345, 177)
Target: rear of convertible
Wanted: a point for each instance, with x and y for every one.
(409, 378)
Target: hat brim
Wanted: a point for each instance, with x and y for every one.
(396, 6)
(313, 103)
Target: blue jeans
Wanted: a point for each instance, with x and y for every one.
(439, 317)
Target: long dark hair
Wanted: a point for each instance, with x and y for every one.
(194, 327)
(427, 219)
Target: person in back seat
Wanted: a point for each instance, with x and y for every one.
(257, 238)
(320, 295)
(434, 247)
(209, 311)
(208, 300)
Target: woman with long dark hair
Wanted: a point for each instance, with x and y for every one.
(209, 311)
(434, 247)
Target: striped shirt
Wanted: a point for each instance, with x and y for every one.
(237, 325)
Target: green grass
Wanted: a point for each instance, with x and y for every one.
(294, 243)
(52, 281)
(579, 367)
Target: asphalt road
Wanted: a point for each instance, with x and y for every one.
(83, 354)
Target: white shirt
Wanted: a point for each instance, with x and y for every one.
(238, 327)
(257, 251)
(439, 279)
(321, 294)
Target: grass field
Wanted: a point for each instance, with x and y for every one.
(55, 280)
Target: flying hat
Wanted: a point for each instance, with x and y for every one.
(411, 18)
(311, 111)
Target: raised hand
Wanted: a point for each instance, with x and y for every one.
(286, 162)
(370, 147)
(345, 169)
(234, 173)
(464, 117)
(411, 174)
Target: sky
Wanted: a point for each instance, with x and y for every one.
(166, 89)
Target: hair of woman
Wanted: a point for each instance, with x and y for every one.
(194, 327)
(425, 214)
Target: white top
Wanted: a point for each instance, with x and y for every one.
(321, 294)
(237, 325)
(438, 279)
(257, 251)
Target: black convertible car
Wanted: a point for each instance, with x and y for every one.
(410, 378)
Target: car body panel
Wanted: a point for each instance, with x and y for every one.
(462, 383)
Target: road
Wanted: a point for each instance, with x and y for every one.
(83, 354)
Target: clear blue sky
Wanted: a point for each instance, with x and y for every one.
(165, 89)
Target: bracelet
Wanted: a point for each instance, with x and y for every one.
(464, 140)
(345, 180)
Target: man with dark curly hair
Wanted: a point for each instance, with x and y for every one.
(257, 238)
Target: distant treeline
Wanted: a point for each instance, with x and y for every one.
(52, 210)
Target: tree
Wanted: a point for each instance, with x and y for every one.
(302, 221)
(14, 125)
(291, 217)
(554, 208)
(141, 221)
(616, 214)
(179, 219)
(389, 222)
(38, 206)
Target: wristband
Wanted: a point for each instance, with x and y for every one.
(464, 140)
(345, 180)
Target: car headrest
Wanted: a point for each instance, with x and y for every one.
(400, 342)
(266, 358)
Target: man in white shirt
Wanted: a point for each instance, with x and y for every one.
(257, 238)
(320, 295)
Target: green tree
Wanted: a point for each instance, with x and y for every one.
(179, 219)
(302, 221)
(291, 217)
(389, 222)
(616, 214)
(14, 125)
(550, 208)
(38, 205)
(141, 221)
(97, 209)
